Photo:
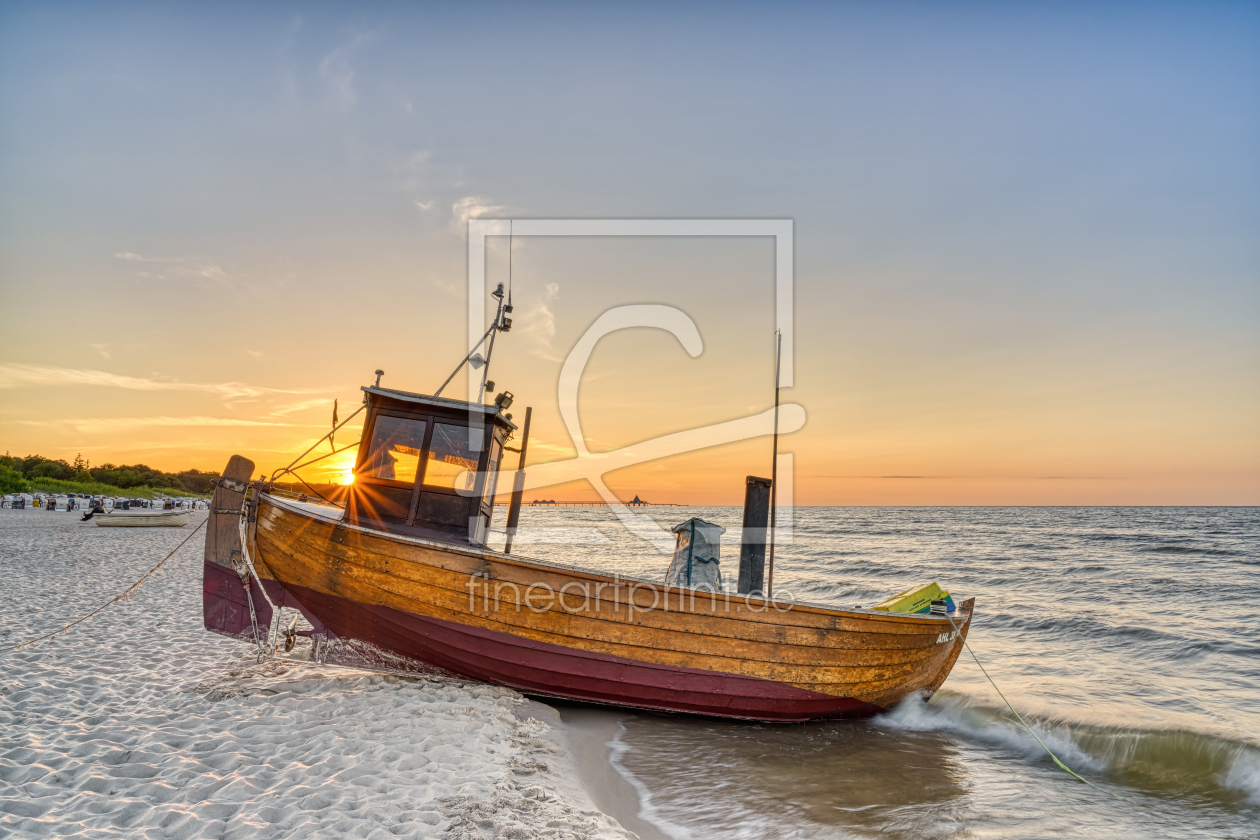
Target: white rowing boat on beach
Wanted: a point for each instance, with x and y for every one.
(143, 518)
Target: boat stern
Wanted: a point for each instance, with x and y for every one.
(232, 602)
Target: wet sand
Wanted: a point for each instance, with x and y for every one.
(589, 731)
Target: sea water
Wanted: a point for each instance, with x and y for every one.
(1128, 638)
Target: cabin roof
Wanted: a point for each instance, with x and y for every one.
(437, 402)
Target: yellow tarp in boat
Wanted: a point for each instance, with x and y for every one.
(916, 600)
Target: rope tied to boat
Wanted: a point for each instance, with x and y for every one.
(1113, 794)
(1024, 723)
(1018, 716)
(273, 631)
(125, 595)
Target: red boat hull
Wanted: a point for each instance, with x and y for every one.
(528, 666)
(408, 605)
(543, 669)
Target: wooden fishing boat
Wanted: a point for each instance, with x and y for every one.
(400, 578)
(413, 599)
(142, 518)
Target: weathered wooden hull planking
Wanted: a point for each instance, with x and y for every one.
(549, 630)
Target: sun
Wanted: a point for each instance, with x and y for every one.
(339, 469)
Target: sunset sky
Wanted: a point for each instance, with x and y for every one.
(1027, 236)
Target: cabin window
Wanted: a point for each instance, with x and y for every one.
(449, 456)
(396, 447)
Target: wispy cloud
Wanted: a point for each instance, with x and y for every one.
(103, 349)
(539, 445)
(111, 424)
(130, 257)
(17, 376)
(472, 207)
(284, 411)
(968, 477)
(182, 268)
(538, 323)
(337, 73)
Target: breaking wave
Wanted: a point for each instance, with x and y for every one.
(1161, 761)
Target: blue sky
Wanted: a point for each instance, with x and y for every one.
(1026, 233)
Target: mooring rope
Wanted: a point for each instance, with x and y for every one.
(1024, 724)
(1018, 716)
(126, 593)
(273, 630)
(1113, 794)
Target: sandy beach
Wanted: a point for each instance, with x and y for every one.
(140, 724)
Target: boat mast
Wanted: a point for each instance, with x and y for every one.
(501, 323)
(774, 462)
(495, 329)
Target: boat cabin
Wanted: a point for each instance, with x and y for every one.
(427, 466)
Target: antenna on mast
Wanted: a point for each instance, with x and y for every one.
(495, 329)
(501, 323)
(774, 463)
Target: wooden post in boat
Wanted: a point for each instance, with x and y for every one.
(518, 487)
(223, 535)
(752, 545)
(774, 462)
(231, 604)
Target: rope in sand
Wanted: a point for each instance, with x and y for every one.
(124, 595)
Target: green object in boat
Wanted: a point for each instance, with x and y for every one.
(915, 600)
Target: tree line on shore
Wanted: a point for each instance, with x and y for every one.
(17, 474)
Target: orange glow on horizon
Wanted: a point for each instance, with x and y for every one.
(338, 469)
